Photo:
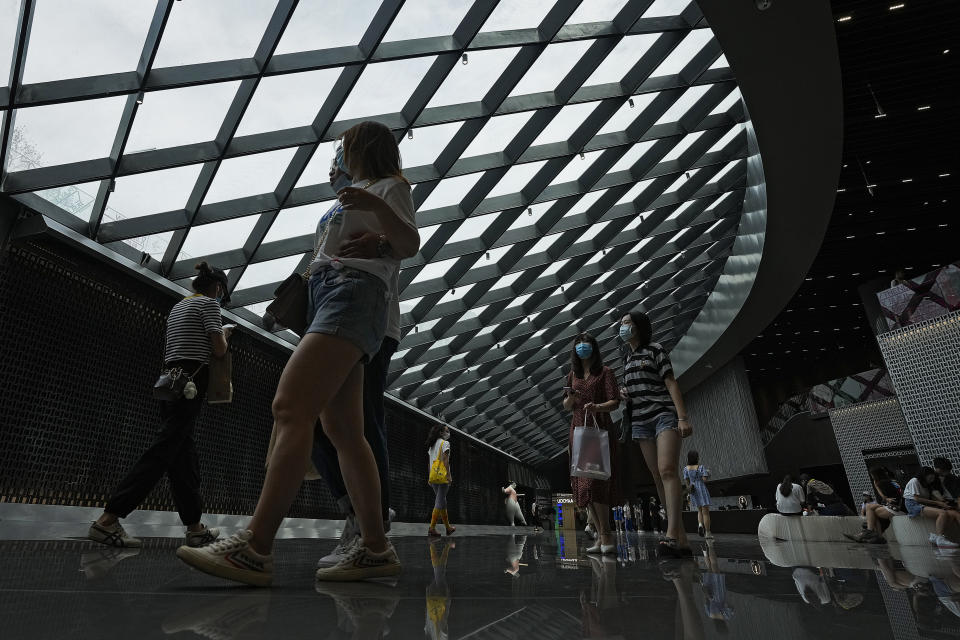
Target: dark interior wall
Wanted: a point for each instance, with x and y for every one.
(80, 348)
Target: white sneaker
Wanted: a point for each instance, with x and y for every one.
(96, 564)
(945, 543)
(348, 538)
(203, 537)
(933, 539)
(391, 516)
(113, 535)
(231, 558)
(361, 564)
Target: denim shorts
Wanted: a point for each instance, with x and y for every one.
(914, 508)
(349, 304)
(652, 428)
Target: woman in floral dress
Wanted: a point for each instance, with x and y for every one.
(591, 392)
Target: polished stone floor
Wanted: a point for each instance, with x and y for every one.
(490, 586)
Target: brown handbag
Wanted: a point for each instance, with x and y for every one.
(289, 306)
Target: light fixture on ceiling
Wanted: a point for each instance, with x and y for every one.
(140, 98)
(851, 237)
(923, 107)
(943, 175)
(529, 211)
(112, 186)
(463, 59)
(907, 180)
(946, 51)
(840, 190)
(911, 228)
(583, 156)
(410, 134)
(899, 5)
(844, 18)
(488, 255)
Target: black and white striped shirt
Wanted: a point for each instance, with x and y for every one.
(189, 325)
(644, 372)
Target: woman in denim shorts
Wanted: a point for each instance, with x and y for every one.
(658, 421)
(324, 376)
(923, 498)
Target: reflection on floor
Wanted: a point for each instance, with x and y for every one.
(491, 587)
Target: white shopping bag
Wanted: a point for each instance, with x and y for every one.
(590, 453)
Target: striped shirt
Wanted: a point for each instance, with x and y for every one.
(644, 372)
(189, 325)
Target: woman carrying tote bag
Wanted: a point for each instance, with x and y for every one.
(438, 448)
(591, 394)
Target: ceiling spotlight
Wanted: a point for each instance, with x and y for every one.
(943, 175)
(923, 107)
(899, 5)
(877, 116)
(112, 186)
(529, 211)
(488, 255)
(845, 19)
(463, 59)
(582, 156)
(630, 101)
(140, 98)
(946, 51)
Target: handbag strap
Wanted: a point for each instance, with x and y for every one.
(326, 230)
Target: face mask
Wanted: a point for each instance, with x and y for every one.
(626, 332)
(339, 159)
(343, 180)
(584, 350)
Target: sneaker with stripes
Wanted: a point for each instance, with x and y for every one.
(360, 563)
(112, 535)
(231, 558)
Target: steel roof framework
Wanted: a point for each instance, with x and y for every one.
(652, 229)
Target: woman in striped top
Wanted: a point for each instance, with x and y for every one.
(658, 420)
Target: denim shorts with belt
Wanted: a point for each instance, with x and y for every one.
(349, 304)
(652, 428)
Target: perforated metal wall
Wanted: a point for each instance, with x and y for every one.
(863, 427)
(924, 364)
(79, 351)
(725, 427)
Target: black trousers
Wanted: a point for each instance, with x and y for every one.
(174, 453)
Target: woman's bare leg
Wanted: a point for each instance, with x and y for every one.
(668, 462)
(342, 421)
(601, 520)
(313, 375)
(649, 450)
(705, 518)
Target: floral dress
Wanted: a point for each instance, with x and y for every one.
(595, 389)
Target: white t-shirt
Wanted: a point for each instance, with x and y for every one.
(791, 503)
(915, 490)
(344, 224)
(436, 448)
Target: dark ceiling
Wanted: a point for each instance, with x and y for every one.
(901, 141)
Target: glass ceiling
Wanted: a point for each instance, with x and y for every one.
(569, 160)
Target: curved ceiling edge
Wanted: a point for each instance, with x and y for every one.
(787, 66)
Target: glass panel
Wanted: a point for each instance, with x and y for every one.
(9, 13)
(627, 114)
(727, 169)
(470, 82)
(384, 88)
(685, 143)
(635, 191)
(734, 131)
(473, 227)
(426, 233)
(72, 39)
(213, 30)
(550, 68)
(248, 175)
(297, 221)
(596, 11)
(317, 170)
(576, 167)
(69, 132)
(287, 100)
(507, 280)
(584, 203)
(684, 52)
(155, 245)
(497, 134)
(565, 123)
(171, 118)
(626, 54)
(427, 18)
(630, 157)
(720, 63)
(663, 8)
(530, 217)
(554, 267)
(682, 180)
(321, 24)
(732, 98)
(516, 178)
(516, 14)
(433, 270)
(153, 192)
(426, 144)
(450, 191)
(268, 272)
(207, 239)
(76, 198)
(683, 104)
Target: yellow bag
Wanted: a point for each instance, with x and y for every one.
(438, 471)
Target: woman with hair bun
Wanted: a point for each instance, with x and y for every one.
(194, 332)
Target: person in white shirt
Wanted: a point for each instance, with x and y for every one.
(438, 450)
(348, 301)
(923, 498)
(789, 497)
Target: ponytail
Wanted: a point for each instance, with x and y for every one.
(786, 486)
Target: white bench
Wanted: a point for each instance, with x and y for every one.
(903, 530)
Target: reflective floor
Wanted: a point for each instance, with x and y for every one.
(487, 586)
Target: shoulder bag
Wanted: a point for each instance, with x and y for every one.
(438, 470)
